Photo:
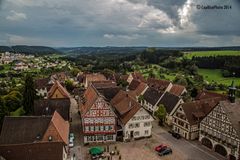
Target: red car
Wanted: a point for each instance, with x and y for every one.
(160, 148)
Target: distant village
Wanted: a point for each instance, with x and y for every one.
(105, 112)
(21, 62)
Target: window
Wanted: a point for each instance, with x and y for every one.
(110, 127)
(146, 124)
(147, 117)
(136, 133)
(136, 125)
(92, 128)
(130, 126)
(87, 128)
(106, 128)
(146, 132)
(109, 137)
(101, 128)
(96, 128)
(100, 138)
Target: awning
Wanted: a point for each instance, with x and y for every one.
(96, 150)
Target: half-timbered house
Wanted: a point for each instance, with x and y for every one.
(98, 118)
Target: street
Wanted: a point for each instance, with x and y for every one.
(191, 150)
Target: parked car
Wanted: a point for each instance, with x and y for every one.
(71, 136)
(165, 152)
(160, 148)
(71, 144)
(176, 135)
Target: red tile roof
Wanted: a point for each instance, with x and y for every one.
(158, 84)
(125, 106)
(58, 86)
(89, 97)
(140, 88)
(195, 111)
(138, 76)
(207, 94)
(61, 126)
(177, 89)
(32, 129)
(95, 77)
(42, 83)
(33, 151)
(134, 84)
(104, 84)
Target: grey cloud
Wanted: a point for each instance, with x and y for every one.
(123, 22)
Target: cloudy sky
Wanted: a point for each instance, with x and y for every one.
(119, 23)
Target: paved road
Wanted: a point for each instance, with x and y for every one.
(75, 127)
(192, 150)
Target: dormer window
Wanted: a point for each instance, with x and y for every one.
(50, 138)
(38, 137)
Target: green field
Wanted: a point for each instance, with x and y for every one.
(211, 53)
(215, 75)
(156, 69)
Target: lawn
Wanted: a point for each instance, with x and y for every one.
(156, 71)
(211, 53)
(211, 75)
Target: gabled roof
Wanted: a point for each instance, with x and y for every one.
(59, 76)
(139, 90)
(207, 94)
(195, 111)
(152, 95)
(31, 129)
(134, 84)
(106, 88)
(88, 99)
(138, 76)
(42, 83)
(25, 129)
(125, 106)
(104, 84)
(58, 86)
(169, 101)
(33, 151)
(49, 106)
(95, 77)
(61, 126)
(233, 113)
(177, 89)
(158, 84)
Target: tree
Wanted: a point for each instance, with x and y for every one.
(3, 110)
(28, 94)
(13, 100)
(179, 79)
(140, 98)
(75, 71)
(161, 114)
(69, 85)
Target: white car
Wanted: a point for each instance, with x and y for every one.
(71, 144)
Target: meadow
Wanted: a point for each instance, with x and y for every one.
(189, 55)
(215, 75)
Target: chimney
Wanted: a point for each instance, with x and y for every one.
(231, 93)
